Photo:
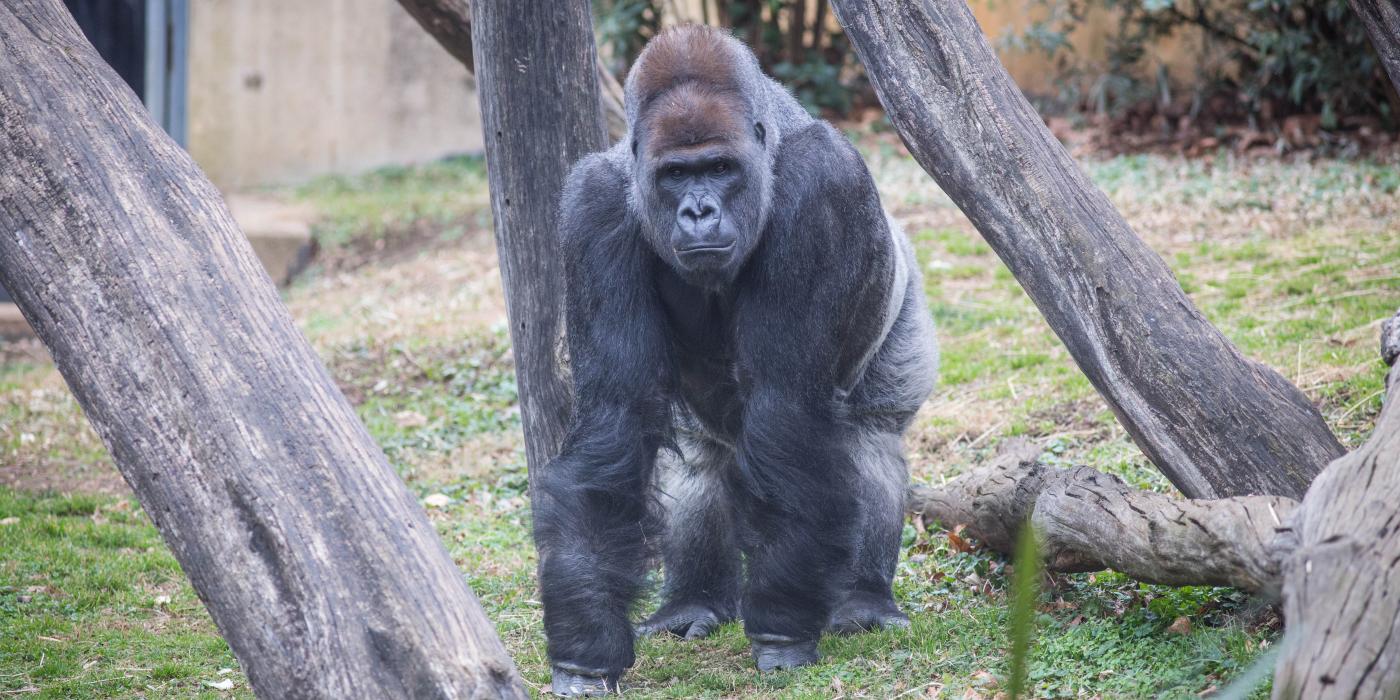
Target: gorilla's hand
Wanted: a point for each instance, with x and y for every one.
(866, 612)
(772, 652)
(571, 681)
(684, 619)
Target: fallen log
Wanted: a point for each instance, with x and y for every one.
(1334, 558)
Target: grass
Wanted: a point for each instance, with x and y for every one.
(1294, 262)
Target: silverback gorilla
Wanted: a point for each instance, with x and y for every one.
(748, 341)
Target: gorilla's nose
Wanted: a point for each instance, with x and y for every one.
(698, 220)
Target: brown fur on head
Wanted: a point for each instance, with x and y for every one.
(687, 54)
(692, 115)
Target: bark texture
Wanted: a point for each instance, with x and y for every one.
(450, 22)
(318, 566)
(1341, 590)
(1216, 423)
(1382, 20)
(1334, 558)
(540, 112)
(1090, 521)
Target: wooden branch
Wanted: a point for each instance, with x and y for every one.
(1216, 423)
(450, 22)
(1343, 572)
(1089, 521)
(1382, 20)
(317, 565)
(536, 79)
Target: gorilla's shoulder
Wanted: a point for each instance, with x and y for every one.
(594, 178)
(594, 198)
(818, 160)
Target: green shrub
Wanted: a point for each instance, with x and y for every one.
(1275, 57)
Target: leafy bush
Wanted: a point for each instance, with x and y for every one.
(623, 27)
(1277, 57)
(796, 41)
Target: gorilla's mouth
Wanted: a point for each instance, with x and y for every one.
(706, 248)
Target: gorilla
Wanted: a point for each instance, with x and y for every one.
(748, 342)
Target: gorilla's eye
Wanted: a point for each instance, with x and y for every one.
(720, 168)
(674, 172)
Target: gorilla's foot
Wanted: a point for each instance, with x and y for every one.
(684, 619)
(863, 612)
(573, 681)
(773, 651)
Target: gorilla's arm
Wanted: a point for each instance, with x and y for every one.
(812, 303)
(590, 509)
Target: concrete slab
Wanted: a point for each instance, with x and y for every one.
(279, 231)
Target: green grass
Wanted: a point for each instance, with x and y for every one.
(443, 200)
(1293, 262)
(92, 604)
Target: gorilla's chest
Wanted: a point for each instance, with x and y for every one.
(702, 329)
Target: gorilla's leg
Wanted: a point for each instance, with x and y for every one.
(591, 528)
(869, 602)
(798, 512)
(700, 551)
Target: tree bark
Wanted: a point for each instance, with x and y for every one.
(450, 22)
(315, 562)
(1340, 573)
(540, 113)
(1333, 557)
(1090, 521)
(1382, 20)
(1216, 423)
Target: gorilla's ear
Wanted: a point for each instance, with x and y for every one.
(759, 132)
(634, 148)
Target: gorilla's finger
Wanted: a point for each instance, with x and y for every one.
(776, 653)
(702, 626)
(566, 683)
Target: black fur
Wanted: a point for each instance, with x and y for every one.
(772, 378)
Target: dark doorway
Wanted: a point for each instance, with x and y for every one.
(117, 29)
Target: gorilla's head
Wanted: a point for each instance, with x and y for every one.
(702, 175)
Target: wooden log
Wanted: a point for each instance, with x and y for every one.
(1334, 558)
(1216, 423)
(1342, 570)
(317, 565)
(1382, 20)
(1090, 521)
(539, 109)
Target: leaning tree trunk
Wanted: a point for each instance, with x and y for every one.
(540, 113)
(316, 563)
(1216, 423)
(1382, 20)
(450, 22)
(1333, 557)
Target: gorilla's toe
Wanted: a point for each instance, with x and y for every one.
(864, 614)
(688, 620)
(571, 683)
(772, 652)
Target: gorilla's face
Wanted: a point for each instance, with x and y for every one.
(706, 199)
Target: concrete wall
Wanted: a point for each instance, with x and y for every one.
(282, 90)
